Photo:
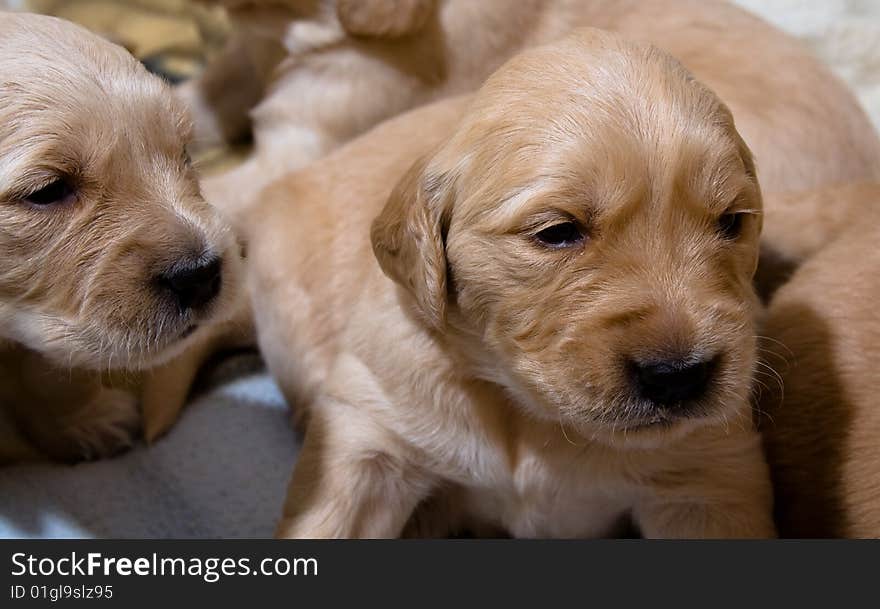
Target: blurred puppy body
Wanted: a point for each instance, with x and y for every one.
(799, 224)
(111, 259)
(821, 422)
(315, 73)
(557, 329)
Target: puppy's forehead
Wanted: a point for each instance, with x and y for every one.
(55, 75)
(614, 119)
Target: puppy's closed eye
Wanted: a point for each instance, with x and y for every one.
(561, 235)
(730, 225)
(56, 192)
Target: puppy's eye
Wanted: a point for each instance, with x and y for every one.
(564, 234)
(53, 193)
(186, 158)
(730, 225)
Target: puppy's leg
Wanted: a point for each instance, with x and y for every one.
(698, 520)
(14, 447)
(713, 496)
(67, 414)
(353, 479)
(101, 426)
(165, 388)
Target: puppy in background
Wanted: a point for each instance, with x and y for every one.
(556, 334)
(822, 337)
(308, 75)
(111, 260)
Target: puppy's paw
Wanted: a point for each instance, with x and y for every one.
(101, 427)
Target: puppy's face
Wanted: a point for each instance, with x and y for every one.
(598, 220)
(110, 258)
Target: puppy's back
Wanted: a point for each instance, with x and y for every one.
(823, 423)
(309, 241)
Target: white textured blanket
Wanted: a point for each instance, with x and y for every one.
(221, 472)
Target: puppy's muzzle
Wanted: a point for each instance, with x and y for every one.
(673, 385)
(194, 284)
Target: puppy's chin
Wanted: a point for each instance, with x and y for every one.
(138, 345)
(607, 426)
(644, 435)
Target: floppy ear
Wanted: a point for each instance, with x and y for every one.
(383, 18)
(408, 241)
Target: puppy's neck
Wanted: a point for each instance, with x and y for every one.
(466, 345)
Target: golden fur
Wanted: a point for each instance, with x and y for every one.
(467, 360)
(821, 423)
(97, 204)
(308, 75)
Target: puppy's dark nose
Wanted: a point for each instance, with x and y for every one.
(194, 284)
(672, 383)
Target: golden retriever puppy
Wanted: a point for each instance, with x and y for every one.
(314, 73)
(557, 329)
(821, 423)
(111, 259)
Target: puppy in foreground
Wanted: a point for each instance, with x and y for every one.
(111, 261)
(556, 334)
(821, 421)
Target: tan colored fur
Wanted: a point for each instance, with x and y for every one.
(490, 368)
(77, 293)
(311, 82)
(821, 379)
